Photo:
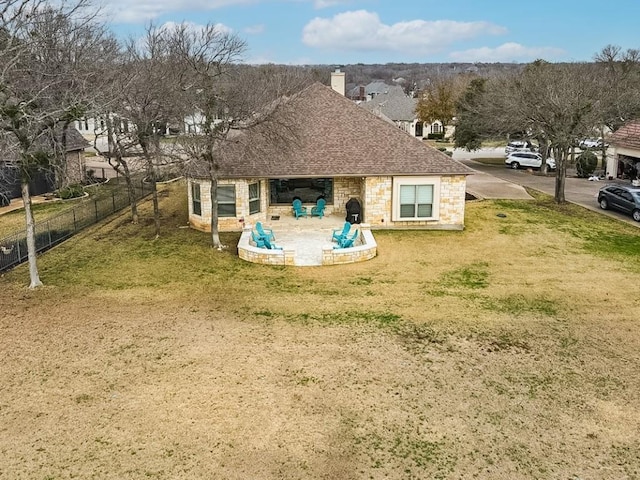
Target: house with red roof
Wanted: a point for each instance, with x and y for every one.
(624, 158)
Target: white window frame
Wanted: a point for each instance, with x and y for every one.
(255, 199)
(414, 181)
(195, 186)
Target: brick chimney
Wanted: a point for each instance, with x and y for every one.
(338, 81)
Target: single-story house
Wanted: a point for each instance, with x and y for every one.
(47, 179)
(341, 151)
(623, 160)
(397, 107)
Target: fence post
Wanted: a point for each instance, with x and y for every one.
(95, 204)
(18, 245)
(75, 227)
(49, 232)
(113, 200)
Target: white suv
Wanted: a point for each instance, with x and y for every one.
(516, 160)
(520, 146)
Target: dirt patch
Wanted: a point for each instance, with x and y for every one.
(504, 351)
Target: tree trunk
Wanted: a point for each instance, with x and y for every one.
(215, 235)
(132, 192)
(151, 176)
(119, 164)
(543, 149)
(31, 237)
(156, 209)
(561, 155)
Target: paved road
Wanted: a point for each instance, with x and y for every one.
(577, 190)
(101, 167)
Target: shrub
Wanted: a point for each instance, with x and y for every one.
(435, 136)
(72, 191)
(586, 164)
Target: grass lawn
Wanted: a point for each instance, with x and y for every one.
(14, 220)
(510, 350)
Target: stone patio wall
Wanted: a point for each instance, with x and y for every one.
(366, 250)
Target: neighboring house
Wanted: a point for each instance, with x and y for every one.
(341, 152)
(74, 165)
(623, 159)
(72, 171)
(394, 105)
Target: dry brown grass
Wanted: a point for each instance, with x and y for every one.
(507, 351)
(14, 221)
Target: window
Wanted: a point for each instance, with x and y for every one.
(254, 198)
(195, 199)
(308, 190)
(416, 201)
(226, 201)
(415, 198)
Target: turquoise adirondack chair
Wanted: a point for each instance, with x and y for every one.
(340, 234)
(298, 209)
(263, 242)
(347, 241)
(265, 232)
(258, 240)
(318, 209)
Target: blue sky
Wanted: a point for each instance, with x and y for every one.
(337, 32)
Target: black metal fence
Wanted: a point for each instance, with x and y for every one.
(56, 229)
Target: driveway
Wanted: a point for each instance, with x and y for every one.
(577, 190)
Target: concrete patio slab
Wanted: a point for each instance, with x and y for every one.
(306, 235)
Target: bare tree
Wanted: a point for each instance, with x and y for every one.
(144, 99)
(46, 53)
(231, 103)
(555, 103)
(438, 100)
(619, 74)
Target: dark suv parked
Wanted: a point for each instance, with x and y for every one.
(622, 198)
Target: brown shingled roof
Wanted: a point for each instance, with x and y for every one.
(335, 137)
(628, 136)
(74, 139)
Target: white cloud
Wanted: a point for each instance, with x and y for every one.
(507, 52)
(363, 31)
(254, 29)
(328, 3)
(194, 27)
(141, 11)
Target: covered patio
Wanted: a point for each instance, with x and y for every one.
(307, 242)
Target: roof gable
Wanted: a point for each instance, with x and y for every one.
(394, 104)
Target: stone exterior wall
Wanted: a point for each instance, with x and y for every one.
(365, 250)
(74, 167)
(345, 188)
(379, 204)
(374, 193)
(452, 200)
(228, 224)
(377, 201)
